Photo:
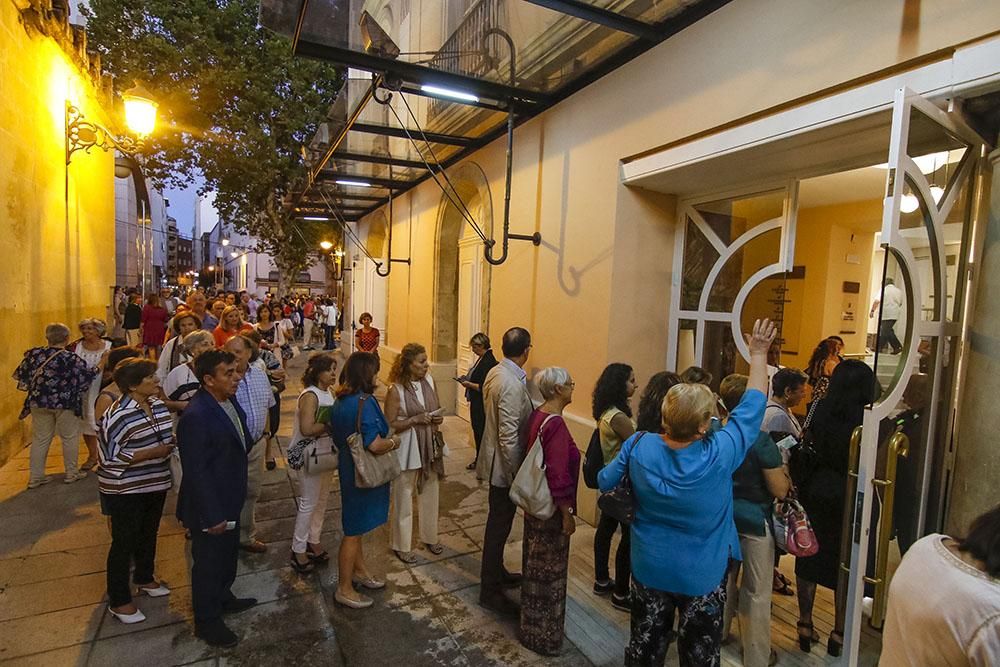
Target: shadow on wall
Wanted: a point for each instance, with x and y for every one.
(571, 286)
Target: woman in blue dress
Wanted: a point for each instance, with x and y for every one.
(363, 509)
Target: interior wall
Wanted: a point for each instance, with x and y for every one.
(834, 244)
(58, 221)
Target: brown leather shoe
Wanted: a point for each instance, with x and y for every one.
(254, 546)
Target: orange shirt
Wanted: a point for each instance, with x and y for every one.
(221, 335)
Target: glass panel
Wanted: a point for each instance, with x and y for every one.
(729, 218)
(551, 48)
(893, 329)
(686, 332)
(699, 258)
(916, 228)
(650, 11)
(753, 256)
(721, 355)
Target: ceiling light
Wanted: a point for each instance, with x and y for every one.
(360, 184)
(937, 192)
(449, 93)
(909, 203)
(316, 218)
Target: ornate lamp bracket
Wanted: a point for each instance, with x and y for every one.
(82, 134)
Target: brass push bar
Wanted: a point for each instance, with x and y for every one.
(899, 445)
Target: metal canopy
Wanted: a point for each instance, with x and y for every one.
(391, 121)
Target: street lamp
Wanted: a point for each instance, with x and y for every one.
(225, 242)
(140, 119)
(325, 245)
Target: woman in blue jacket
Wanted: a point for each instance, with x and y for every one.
(683, 534)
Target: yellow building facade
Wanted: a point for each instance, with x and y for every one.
(58, 221)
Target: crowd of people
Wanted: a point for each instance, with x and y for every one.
(192, 404)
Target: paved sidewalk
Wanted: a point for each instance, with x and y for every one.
(54, 540)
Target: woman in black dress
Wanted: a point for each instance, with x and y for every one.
(473, 383)
(851, 388)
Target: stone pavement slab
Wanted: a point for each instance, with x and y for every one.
(53, 610)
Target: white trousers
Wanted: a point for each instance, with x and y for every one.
(314, 493)
(46, 423)
(402, 510)
(307, 329)
(752, 600)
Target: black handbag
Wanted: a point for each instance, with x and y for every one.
(619, 502)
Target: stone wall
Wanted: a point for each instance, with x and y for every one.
(58, 222)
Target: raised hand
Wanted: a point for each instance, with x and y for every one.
(759, 341)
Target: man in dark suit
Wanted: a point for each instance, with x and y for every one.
(213, 440)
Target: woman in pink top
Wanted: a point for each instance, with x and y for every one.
(545, 559)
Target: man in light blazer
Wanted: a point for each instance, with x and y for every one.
(213, 439)
(508, 407)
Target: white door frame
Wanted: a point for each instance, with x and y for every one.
(686, 209)
(902, 168)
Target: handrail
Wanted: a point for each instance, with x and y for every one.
(899, 445)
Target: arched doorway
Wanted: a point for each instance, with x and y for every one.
(369, 291)
(461, 284)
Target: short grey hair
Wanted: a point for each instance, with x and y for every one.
(480, 339)
(98, 324)
(56, 333)
(548, 379)
(197, 336)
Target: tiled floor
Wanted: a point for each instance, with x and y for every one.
(53, 544)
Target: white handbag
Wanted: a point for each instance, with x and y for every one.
(530, 489)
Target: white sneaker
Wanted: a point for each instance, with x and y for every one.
(128, 619)
(39, 482)
(74, 477)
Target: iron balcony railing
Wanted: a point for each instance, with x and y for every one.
(469, 51)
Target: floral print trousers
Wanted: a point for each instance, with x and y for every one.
(699, 631)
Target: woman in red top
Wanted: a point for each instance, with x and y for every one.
(366, 338)
(546, 541)
(230, 324)
(153, 325)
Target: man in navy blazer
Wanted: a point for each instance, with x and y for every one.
(213, 440)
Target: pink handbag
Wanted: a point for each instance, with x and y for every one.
(792, 532)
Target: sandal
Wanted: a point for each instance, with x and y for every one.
(471, 466)
(88, 466)
(407, 557)
(301, 568)
(835, 644)
(321, 557)
(436, 549)
(781, 585)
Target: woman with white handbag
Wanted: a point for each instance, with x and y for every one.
(313, 445)
(549, 518)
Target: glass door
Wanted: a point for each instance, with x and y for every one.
(926, 235)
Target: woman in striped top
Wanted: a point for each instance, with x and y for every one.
(134, 476)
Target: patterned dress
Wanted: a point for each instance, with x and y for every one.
(545, 555)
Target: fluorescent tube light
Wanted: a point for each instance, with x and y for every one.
(360, 184)
(449, 93)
